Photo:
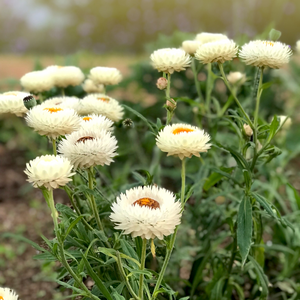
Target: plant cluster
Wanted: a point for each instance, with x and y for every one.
(187, 226)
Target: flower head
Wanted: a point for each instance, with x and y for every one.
(66, 75)
(37, 81)
(147, 212)
(183, 140)
(63, 102)
(191, 47)
(96, 122)
(89, 87)
(89, 147)
(8, 294)
(104, 75)
(53, 121)
(169, 60)
(102, 105)
(49, 171)
(265, 54)
(207, 37)
(218, 51)
(12, 102)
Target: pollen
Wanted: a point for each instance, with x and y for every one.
(87, 118)
(84, 139)
(103, 99)
(147, 202)
(181, 129)
(269, 43)
(53, 110)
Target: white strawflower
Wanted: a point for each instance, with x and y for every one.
(265, 54)
(169, 60)
(147, 212)
(89, 147)
(106, 76)
(12, 102)
(63, 102)
(96, 122)
(218, 51)
(37, 81)
(183, 140)
(236, 78)
(8, 294)
(207, 37)
(64, 76)
(50, 171)
(89, 87)
(191, 47)
(102, 105)
(298, 46)
(53, 121)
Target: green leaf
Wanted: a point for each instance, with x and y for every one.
(97, 280)
(217, 291)
(140, 116)
(116, 295)
(263, 279)
(265, 204)
(296, 196)
(248, 179)
(72, 225)
(274, 35)
(215, 178)
(68, 286)
(23, 239)
(273, 129)
(244, 228)
(266, 85)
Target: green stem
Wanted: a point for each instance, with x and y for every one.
(51, 204)
(104, 90)
(234, 96)
(208, 88)
(72, 273)
(255, 129)
(63, 92)
(170, 247)
(200, 96)
(92, 199)
(143, 258)
(54, 146)
(168, 97)
(182, 182)
(125, 278)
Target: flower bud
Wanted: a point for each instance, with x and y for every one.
(171, 104)
(248, 130)
(236, 77)
(29, 101)
(162, 83)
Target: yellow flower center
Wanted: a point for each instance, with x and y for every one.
(1, 298)
(103, 99)
(181, 129)
(53, 110)
(269, 43)
(86, 118)
(147, 202)
(85, 138)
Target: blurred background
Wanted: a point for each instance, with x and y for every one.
(115, 33)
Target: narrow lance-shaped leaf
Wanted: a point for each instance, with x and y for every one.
(244, 228)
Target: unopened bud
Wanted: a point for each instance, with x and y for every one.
(248, 130)
(128, 123)
(236, 78)
(29, 101)
(162, 83)
(171, 104)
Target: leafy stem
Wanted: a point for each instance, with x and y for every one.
(200, 96)
(143, 258)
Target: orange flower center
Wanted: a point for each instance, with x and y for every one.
(181, 129)
(269, 43)
(1, 298)
(85, 138)
(147, 202)
(87, 118)
(103, 99)
(53, 110)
